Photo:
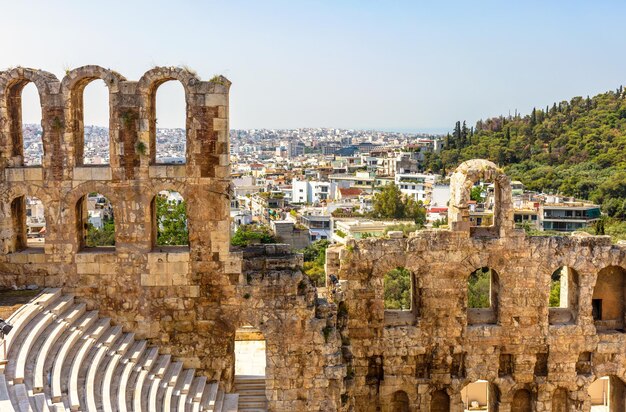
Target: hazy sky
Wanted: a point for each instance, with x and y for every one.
(350, 64)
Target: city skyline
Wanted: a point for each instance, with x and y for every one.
(403, 67)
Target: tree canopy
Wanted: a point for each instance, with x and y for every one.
(391, 203)
(171, 222)
(397, 291)
(575, 148)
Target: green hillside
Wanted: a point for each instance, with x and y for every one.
(575, 148)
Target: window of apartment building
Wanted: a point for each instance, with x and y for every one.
(95, 222)
(93, 119)
(31, 129)
(169, 214)
(563, 299)
(171, 123)
(483, 287)
(400, 297)
(609, 297)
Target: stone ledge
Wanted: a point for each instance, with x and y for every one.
(23, 174)
(95, 172)
(176, 171)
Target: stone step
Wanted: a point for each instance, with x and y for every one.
(219, 401)
(231, 401)
(155, 378)
(138, 389)
(95, 370)
(195, 394)
(5, 400)
(112, 368)
(85, 345)
(62, 358)
(130, 360)
(62, 325)
(182, 389)
(169, 383)
(207, 403)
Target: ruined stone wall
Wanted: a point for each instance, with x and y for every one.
(433, 351)
(188, 300)
(146, 289)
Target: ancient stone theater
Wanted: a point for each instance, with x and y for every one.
(139, 327)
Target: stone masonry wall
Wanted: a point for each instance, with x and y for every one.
(188, 300)
(432, 351)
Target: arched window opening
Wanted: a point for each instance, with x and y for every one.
(522, 401)
(609, 295)
(250, 365)
(563, 300)
(32, 132)
(560, 402)
(95, 124)
(28, 223)
(95, 221)
(171, 123)
(481, 204)
(399, 296)
(483, 288)
(440, 401)
(170, 217)
(400, 402)
(480, 395)
(607, 394)
(35, 223)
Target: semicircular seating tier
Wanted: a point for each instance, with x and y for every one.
(62, 357)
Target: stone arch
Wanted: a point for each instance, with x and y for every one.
(461, 183)
(483, 392)
(439, 401)
(14, 214)
(12, 83)
(608, 304)
(608, 391)
(522, 401)
(75, 201)
(73, 87)
(560, 400)
(147, 88)
(400, 402)
(478, 312)
(568, 281)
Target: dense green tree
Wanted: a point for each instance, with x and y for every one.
(248, 234)
(314, 260)
(104, 236)
(391, 203)
(171, 220)
(397, 289)
(479, 289)
(574, 148)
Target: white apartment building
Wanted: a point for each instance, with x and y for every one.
(312, 191)
(417, 185)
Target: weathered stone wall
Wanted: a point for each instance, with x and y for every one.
(188, 300)
(147, 290)
(343, 352)
(434, 349)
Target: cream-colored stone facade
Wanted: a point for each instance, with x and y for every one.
(327, 350)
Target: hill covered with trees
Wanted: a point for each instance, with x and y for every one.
(574, 148)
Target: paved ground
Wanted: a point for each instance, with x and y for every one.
(11, 300)
(250, 357)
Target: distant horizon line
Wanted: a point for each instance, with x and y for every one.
(409, 130)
